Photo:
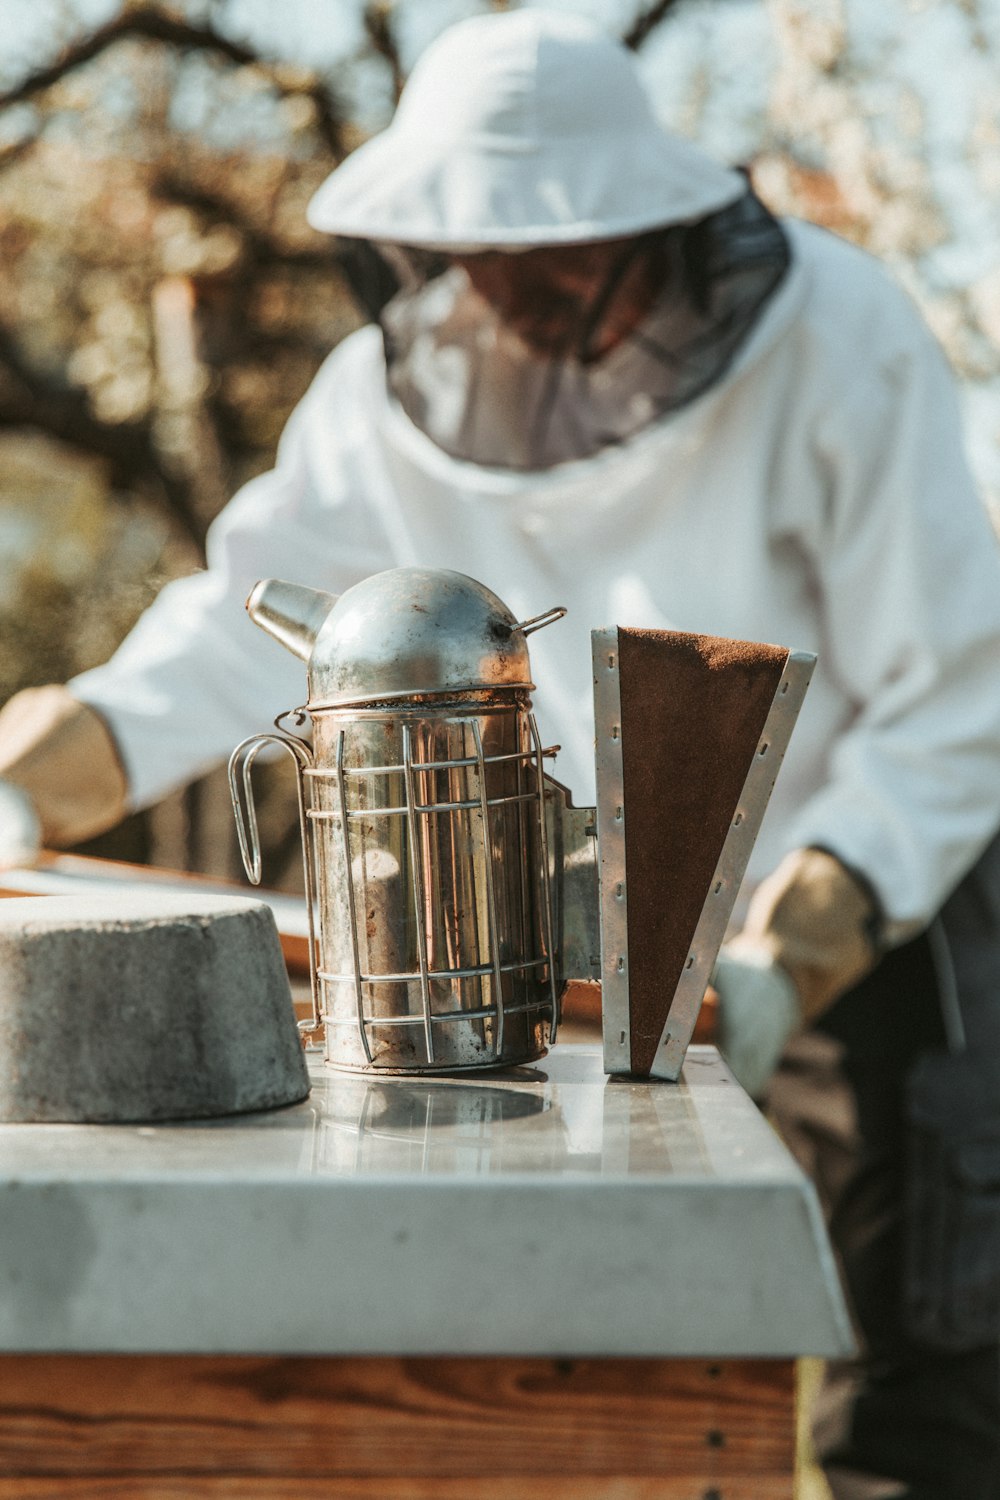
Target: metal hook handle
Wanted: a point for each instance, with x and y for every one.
(241, 789)
(539, 622)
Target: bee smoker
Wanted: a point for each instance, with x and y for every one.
(423, 821)
(454, 890)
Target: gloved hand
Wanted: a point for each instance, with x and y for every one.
(758, 1012)
(20, 830)
(58, 762)
(810, 934)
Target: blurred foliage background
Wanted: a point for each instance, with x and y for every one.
(164, 305)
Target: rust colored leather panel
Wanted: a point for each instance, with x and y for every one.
(693, 708)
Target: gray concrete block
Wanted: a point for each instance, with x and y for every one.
(138, 1005)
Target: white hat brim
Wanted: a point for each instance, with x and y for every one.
(495, 193)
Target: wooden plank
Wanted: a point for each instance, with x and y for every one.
(97, 875)
(528, 1487)
(365, 1418)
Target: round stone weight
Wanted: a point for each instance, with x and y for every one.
(135, 1005)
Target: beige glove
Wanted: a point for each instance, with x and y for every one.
(59, 755)
(809, 935)
(816, 920)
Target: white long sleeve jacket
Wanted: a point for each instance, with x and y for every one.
(817, 497)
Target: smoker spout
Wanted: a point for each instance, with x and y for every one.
(290, 612)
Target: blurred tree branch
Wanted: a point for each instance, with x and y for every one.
(151, 23)
(30, 398)
(16, 150)
(381, 34)
(261, 248)
(647, 21)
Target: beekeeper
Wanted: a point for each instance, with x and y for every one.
(599, 373)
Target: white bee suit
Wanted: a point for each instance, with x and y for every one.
(816, 496)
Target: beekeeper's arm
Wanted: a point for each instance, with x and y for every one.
(195, 676)
(906, 563)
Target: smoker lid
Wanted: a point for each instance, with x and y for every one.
(417, 630)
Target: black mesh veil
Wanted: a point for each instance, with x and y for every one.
(484, 395)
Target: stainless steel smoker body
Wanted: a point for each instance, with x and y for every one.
(421, 799)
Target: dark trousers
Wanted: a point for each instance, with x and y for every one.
(903, 1420)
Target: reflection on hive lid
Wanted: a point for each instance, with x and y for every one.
(530, 1120)
(404, 1125)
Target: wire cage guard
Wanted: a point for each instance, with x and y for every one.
(428, 882)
